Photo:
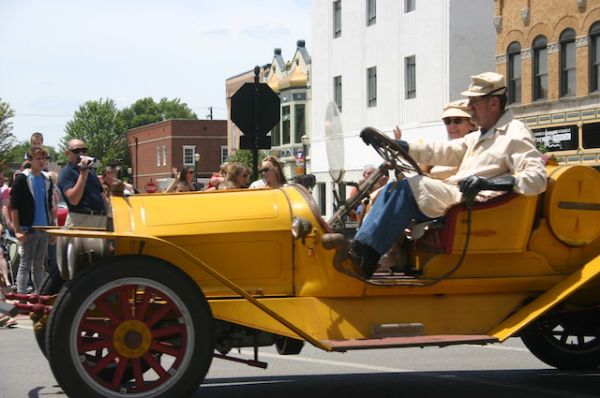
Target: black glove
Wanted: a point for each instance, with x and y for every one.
(471, 185)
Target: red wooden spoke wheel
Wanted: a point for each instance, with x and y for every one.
(132, 329)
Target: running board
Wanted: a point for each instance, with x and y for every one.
(413, 341)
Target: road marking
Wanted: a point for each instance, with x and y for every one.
(242, 383)
(353, 365)
(495, 347)
(424, 373)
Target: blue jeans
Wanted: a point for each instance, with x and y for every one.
(35, 251)
(391, 213)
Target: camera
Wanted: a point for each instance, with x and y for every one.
(86, 162)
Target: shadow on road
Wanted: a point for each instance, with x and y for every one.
(488, 384)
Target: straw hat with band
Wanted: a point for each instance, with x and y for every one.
(485, 84)
(458, 108)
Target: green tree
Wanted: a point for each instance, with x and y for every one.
(146, 111)
(245, 156)
(99, 124)
(7, 139)
(17, 154)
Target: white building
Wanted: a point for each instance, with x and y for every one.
(392, 62)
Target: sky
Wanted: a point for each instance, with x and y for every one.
(57, 54)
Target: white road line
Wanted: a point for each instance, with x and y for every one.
(242, 383)
(499, 347)
(353, 365)
(424, 373)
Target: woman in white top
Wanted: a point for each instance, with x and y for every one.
(272, 173)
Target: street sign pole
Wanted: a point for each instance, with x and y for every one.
(255, 109)
(256, 133)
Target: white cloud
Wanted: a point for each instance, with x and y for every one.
(55, 55)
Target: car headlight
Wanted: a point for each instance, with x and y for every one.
(300, 227)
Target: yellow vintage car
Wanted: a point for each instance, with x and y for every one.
(186, 277)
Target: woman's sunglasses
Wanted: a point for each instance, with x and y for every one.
(457, 120)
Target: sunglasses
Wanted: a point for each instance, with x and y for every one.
(265, 170)
(475, 100)
(78, 151)
(457, 120)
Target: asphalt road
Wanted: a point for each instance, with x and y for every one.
(506, 370)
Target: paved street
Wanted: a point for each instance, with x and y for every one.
(507, 370)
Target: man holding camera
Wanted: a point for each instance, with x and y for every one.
(81, 188)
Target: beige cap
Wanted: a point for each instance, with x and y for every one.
(457, 109)
(487, 83)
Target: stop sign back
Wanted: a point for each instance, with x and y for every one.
(255, 110)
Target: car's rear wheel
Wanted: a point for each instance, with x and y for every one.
(137, 326)
(565, 343)
(288, 346)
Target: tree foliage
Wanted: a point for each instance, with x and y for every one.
(245, 156)
(17, 154)
(7, 139)
(146, 110)
(99, 124)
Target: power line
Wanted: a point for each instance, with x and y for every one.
(40, 115)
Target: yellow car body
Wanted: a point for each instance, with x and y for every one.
(526, 257)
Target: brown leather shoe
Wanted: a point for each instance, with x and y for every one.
(346, 260)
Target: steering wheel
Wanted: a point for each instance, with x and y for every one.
(389, 150)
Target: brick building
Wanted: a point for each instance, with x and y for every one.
(161, 149)
(550, 53)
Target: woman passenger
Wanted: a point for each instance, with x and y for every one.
(272, 173)
(236, 177)
(185, 182)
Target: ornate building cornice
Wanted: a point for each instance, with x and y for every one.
(582, 41)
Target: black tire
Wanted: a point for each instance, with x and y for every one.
(564, 344)
(288, 345)
(51, 285)
(131, 312)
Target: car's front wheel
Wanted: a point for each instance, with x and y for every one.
(135, 327)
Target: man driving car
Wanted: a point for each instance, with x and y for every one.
(500, 155)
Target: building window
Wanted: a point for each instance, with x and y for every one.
(595, 57)
(540, 68)
(409, 5)
(410, 76)
(285, 125)
(224, 153)
(567, 63)
(157, 156)
(299, 122)
(371, 12)
(275, 136)
(337, 91)
(514, 73)
(372, 86)
(337, 18)
(164, 155)
(188, 155)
